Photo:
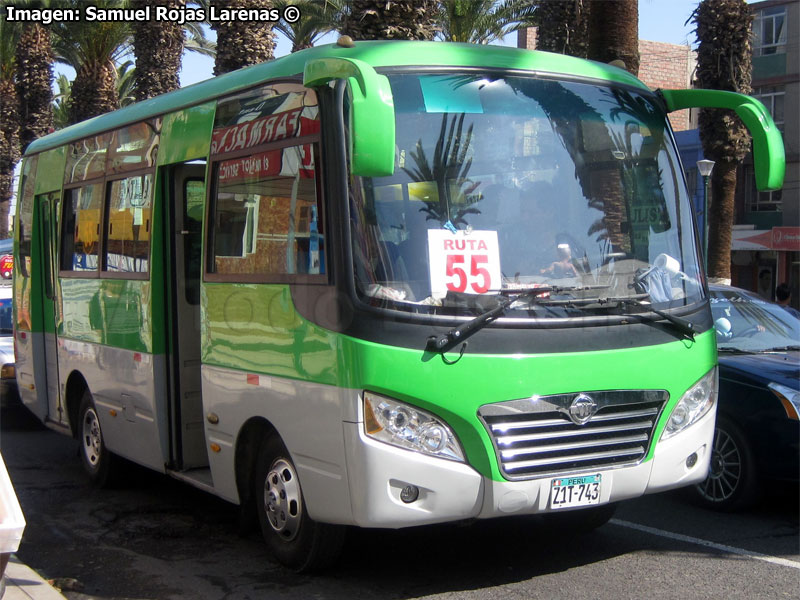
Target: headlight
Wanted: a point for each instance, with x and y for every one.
(7, 371)
(695, 403)
(408, 427)
(790, 399)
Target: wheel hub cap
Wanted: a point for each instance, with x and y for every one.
(725, 470)
(92, 438)
(282, 499)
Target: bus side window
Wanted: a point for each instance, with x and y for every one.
(266, 214)
(128, 225)
(81, 230)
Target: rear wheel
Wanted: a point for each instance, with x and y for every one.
(732, 482)
(97, 461)
(295, 540)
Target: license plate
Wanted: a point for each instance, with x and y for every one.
(567, 492)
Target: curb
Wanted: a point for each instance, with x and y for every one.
(23, 583)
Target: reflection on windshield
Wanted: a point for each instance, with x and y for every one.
(517, 183)
(750, 324)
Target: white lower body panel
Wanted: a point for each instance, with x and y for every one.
(348, 478)
(454, 491)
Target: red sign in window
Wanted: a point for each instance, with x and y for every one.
(6, 266)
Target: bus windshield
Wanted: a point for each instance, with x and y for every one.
(512, 183)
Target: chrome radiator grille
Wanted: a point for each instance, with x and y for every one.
(539, 436)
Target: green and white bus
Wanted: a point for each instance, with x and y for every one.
(380, 284)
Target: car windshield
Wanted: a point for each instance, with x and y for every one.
(746, 323)
(6, 324)
(512, 183)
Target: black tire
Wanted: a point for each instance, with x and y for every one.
(295, 540)
(97, 461)
(583, 520)
(732, 482)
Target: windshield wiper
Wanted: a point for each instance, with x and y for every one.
(444, 342)
(682, 325)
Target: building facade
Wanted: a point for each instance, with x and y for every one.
(766, 238)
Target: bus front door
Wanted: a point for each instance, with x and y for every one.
(187, 205)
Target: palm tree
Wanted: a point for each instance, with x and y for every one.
(9, 119)
(724, 62)
(614, 32)
(563, 27)
(126, 83)
(482, 21)
(158, 47)
(316, 19)
(94, 50)
(390, 19)
(242, 43)
(34, 78)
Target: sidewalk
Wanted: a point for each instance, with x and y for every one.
(23, 583)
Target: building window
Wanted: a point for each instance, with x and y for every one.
(760, 201)
(769, 31)
(772, 96)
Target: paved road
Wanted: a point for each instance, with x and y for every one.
(155, 538)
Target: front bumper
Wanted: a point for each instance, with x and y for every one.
(452, 491)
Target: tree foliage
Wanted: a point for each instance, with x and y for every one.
(482, 21)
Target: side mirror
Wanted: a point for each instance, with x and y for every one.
(768, 153)
(372, 131)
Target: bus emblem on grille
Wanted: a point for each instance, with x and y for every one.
(582, 409)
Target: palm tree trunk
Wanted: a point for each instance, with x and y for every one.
(34, 82)
(9, 149)
(724, 62)
(158, 46)
(242, 43)
(721, 213)
(614, 32)
(391, 20)
(563, 27)
(94, 91)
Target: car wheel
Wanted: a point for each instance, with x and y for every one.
(6, 274)
(295, 540)
(732, 481)
(97, 461)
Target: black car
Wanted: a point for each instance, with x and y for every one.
(757, 436)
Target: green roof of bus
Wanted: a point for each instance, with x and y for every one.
(377, 54)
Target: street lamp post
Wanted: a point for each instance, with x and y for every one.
(705, 167)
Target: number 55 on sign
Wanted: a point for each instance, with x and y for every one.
(463, 262)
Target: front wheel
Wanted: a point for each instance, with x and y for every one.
(732, 483)
(97, 461)
(295, 540)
